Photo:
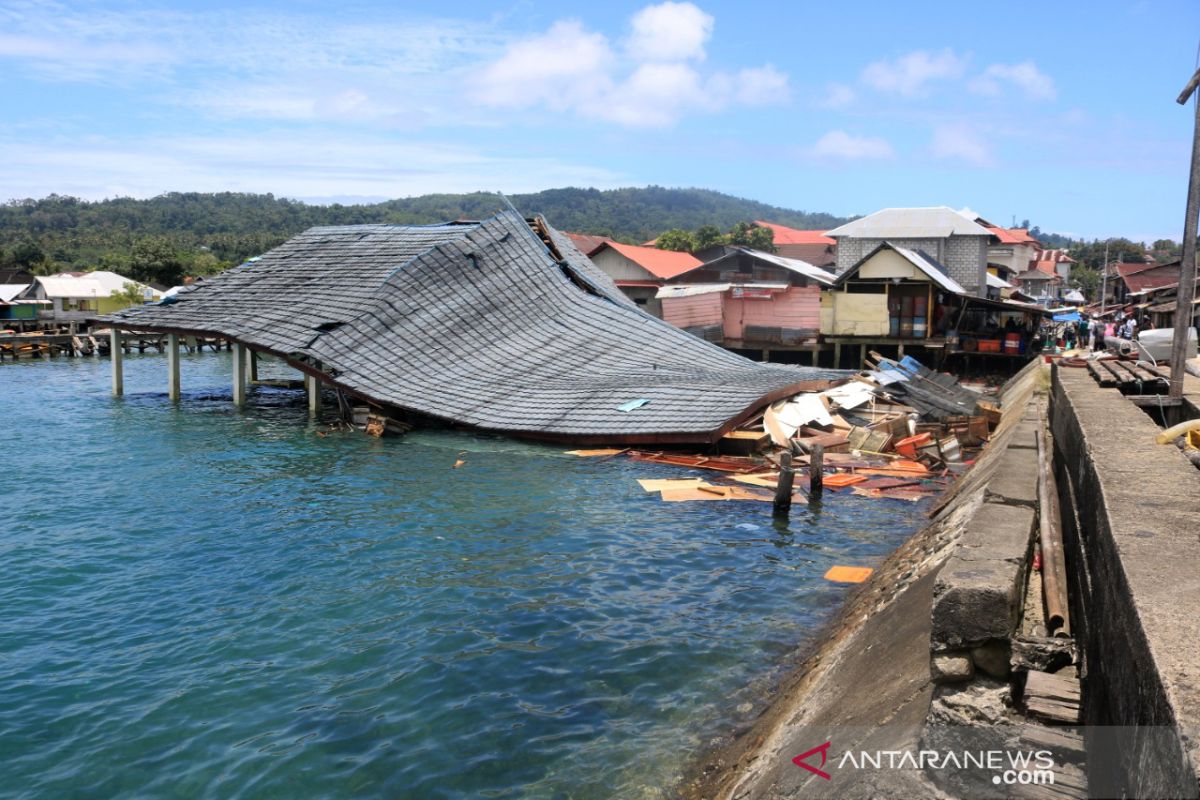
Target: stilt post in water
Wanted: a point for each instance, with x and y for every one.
(118, 361)
(783, 489)
(173, 366)
(313, 386)
(239, 374)
(816, 474)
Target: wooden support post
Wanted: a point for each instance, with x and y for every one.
(118, 362)
(254, 366)
(816, 474)
(313, 386)
(862, 355)
(239, 374)
(173, 366)
(1185, 294)
(900, 351)
(783, 488)
(837, 355)
(766, 355)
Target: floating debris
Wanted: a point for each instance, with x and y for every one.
(848, 574)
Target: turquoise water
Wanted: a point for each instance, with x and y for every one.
(201, 602)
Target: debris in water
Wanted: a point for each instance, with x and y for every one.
(848, 574)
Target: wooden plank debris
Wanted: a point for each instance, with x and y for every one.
(1052, 697)
(848, 574)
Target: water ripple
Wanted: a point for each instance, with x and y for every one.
(204, 602)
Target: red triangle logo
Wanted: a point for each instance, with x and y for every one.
(823, 749)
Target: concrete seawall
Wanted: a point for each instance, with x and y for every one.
(1133, 551)
(869, 677)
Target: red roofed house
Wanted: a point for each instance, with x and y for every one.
(640, 271)
(813, 247)
(588, 243)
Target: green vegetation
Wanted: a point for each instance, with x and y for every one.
(130, 295)
(161, 239)
(742, 233)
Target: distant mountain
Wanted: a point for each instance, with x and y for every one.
(201, 233)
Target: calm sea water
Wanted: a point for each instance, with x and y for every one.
(202, 602)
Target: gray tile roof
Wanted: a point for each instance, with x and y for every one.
(478, 324)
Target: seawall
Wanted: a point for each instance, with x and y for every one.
(868, 675)
(1133, 552)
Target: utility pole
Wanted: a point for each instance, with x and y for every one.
(1104, 282)
(1186, 293)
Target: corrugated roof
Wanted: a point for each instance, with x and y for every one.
(795, 265)
(918, 258)
(911, 223)
(1013, 235)
(480, 325)
(693, 289)
(996, 282)
(786, 235)
(586, 242)
(659, 263)
(1156, 277)
(100, 283)
(8, 291)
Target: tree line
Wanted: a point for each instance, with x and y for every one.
(162, 239)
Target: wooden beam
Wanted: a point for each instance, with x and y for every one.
(1187, 266)
(173, 366)
(118, 362)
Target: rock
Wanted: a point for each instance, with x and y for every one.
(983, 701)
(992, 658)
(1042, 653)
(952, 667)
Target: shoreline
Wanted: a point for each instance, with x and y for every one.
(833, 684)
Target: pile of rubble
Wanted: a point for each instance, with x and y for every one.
(895, 430)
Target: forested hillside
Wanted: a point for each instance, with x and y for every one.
(177, 234)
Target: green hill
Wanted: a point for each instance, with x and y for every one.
(192, 233)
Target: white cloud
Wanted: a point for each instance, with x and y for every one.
(762, 86)
(669, 32)
(569, 68)
(838, 95)
(1025, 76)
(909, 74)
(842, 145)
(564, 67)
(283, 162)
(958, 142)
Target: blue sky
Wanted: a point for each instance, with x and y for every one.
(1059, 112)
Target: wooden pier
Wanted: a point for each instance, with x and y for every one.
(43, 344)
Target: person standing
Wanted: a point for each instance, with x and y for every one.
(1093, 331)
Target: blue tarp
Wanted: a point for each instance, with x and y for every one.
(1072, 316)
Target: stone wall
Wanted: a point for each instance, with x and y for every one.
(1133, 559)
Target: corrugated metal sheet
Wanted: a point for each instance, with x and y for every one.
(480, 325)
(911, 223)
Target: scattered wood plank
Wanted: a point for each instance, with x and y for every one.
(1052, 697)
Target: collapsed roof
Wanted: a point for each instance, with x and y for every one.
(481, 324)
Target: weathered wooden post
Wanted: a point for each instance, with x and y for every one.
(239, 374)
(313, 387)
(118, 361)
(173, 366)
(253, 366)
(816, 474)
(1186, 292)
(783, 488)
